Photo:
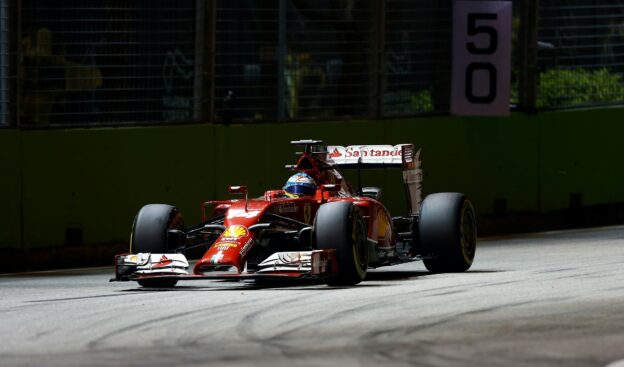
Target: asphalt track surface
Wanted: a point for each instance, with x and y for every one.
(549, 299)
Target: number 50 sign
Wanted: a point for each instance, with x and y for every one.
(481, 58)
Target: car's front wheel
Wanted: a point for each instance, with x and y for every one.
(340, 226)
(149, 235)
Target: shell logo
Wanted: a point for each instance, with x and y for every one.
(235, 231)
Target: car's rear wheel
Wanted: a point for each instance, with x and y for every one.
(340, 226)
(149, 235)
(448, 232)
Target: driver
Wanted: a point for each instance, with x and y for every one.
(300, 184)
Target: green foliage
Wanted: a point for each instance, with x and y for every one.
(572, 87)
(406, 102)
(422, 102)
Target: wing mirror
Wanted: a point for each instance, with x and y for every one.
(327, 188)
(330, 187)
(239, 190)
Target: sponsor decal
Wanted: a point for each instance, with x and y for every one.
(235, 231)
(287, 208)
(139, 259)
(380, 151)
(164, 261)
(301, 178)
(320, 263)
(335, 153)
(226, 244)
(384, 253)
(289, 257)
(240, 213)
(307, 213)
(246, 247)
(222, 246)
(381, 154)
(216, 258)
(412, 176)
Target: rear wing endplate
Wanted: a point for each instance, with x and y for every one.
(412, 178)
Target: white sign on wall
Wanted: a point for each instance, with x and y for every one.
(481, 58)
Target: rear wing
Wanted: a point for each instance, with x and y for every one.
(366, 156)
(381, 156)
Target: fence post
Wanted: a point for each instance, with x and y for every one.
(281, 61)
(209, 49)
(4, 57)
(201, 20)
(527, 49)
(15, 59)
(376, 57)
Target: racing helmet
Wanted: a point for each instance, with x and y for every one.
(300, 184)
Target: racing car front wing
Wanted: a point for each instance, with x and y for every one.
(280, 265)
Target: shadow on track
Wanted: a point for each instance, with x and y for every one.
(295, 284)
(394, 275)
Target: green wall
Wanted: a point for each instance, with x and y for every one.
(94, 180)
(10, 189)
(581, 151)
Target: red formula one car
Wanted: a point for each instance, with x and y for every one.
(334, 232)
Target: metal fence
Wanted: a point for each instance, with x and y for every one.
(293, 59)
(110, 62)
(580, 53)
(245, 78)
(417, 57)
(107, 61)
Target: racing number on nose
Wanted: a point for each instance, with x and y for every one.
(475, 29)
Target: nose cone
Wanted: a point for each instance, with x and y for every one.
(227, 251)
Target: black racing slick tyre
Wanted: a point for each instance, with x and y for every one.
(340, 226)
(149, 235)
(448, 232)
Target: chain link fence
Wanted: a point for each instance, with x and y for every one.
(106, 61)
(327, 59)
(580, 53)
(417, 57)
(294, 59)
(245, 78)
(109, 62)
